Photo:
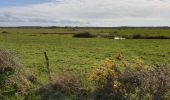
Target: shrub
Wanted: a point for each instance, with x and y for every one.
(8, 65)
(120, 79)
(32, 78)
(137, 36)
(4, 32)
(62, 86)
(157, 37)
(67, 83)
(84, 35)
(12, 79)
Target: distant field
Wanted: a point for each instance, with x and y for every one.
(117, 31)
(79, 55)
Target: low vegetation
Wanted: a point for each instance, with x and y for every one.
(139, 36)
(8, 66)
(84, 35)
(4, 32)
(113, 79)
(127, 80)
(13, 84)
(65, 85)
(108, 35)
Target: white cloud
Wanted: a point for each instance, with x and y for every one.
(90, 13)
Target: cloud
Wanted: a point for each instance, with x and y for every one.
(90, 13)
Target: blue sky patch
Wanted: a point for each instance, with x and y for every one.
(11, 3)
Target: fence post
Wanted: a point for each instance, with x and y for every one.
(48, 66)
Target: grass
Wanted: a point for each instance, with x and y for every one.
(78, 54)
(69, 53)
(119, 31)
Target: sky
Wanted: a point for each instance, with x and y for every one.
(101, 13)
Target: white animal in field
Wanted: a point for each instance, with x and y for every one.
(119, 38)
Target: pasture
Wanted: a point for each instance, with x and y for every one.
(78, 55)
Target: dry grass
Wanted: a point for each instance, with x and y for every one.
(8, 66)
(8, 61)
(12, 76)
(68, 83)
(63, 85)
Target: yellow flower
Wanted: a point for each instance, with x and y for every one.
(119, 57)
(116, 84)
(138, 61)
(145, 66)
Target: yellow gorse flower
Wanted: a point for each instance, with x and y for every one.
(116, 84)
(103, 71)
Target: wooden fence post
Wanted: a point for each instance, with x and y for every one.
(48, 65)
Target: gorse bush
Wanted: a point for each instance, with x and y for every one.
(120, 79)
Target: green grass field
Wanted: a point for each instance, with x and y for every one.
(79, 54)
(119, 31)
